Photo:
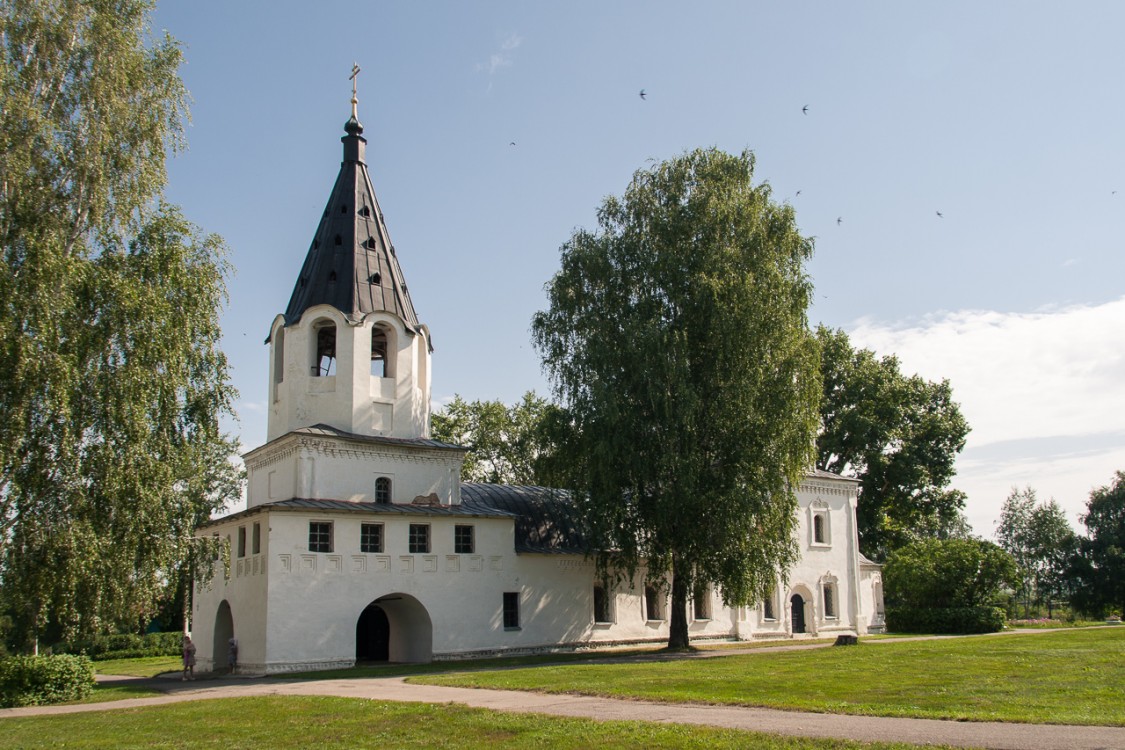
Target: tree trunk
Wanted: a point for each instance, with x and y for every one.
(678, 638)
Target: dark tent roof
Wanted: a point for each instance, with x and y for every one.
(351, 263)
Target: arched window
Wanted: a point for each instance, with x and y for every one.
(383, 490)
(381, 363)
(324, 359)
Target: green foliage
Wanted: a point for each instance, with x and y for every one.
(677, 342)
(1040, 539)
(948, 575)
(945, 620)
(507, 444)
(124, 646)
(114, 384)
(1098, 569)
(899, 436)
(37, 680)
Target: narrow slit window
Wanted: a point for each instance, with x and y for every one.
(511, 610)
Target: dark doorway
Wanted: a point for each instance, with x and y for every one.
(224, 631)
(373, 635)
(798, 613)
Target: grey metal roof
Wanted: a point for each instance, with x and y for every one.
(329, 431)
(351, 263)
(547, 520)
(405, 509)
(822, 474)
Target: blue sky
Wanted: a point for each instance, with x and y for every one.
(1007, 118)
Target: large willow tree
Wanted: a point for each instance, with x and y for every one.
(677, 339)
(111, 380)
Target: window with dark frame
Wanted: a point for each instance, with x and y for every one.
(701, 604)
(419, 540)
(242, 541)
(463, 539)
(320, 536)
(818, 528)
(383, 490)
(256, 540)
(829, 601)
(371, 537)
(511, 610)
(653, 602)
(601, 605)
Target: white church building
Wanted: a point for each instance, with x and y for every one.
(360, 543)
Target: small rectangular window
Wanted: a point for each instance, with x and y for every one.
(511, 610)
(256, 539)
(701, 604)
(601, 605)
(654, 609)
(829, 601)
(320, 536)
(463, 540)
(419, 540)
(767, 608)
(242, 541)
(371, 537)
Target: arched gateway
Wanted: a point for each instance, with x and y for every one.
(394, 627)
(224, 631)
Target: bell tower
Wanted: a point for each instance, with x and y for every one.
(348, 351)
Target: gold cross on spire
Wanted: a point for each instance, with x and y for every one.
(352, 77)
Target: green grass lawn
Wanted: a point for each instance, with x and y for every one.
(282, 722)
(1071, 676)
(148, 666)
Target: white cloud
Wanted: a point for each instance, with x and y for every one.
(1043, 393)
(503, 57)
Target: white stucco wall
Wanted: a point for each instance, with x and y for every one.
(352, 399)
(333, 468)
(314, 599)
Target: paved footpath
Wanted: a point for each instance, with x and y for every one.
(969, 734)
(864, 728)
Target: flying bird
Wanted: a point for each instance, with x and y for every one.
(643, 94)
(512, 143)
(805, 109)
(839, 220)
(798, 193)
(939, 214)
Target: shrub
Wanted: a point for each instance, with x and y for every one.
(124, 646)
(35, 680)
(958, 620)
